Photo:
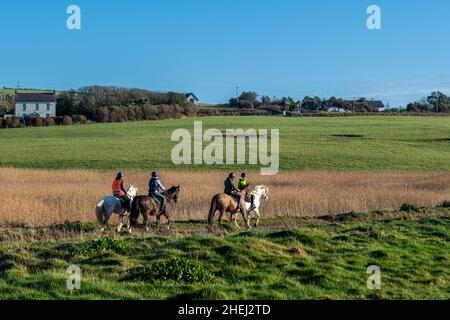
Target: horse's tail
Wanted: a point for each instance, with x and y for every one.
(99, 212)
(135, 211)
(213, 209)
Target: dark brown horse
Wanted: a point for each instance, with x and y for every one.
(147, 206)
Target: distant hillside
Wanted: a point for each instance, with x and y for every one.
(11, 91)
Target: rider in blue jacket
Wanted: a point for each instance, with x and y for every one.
(155, 186)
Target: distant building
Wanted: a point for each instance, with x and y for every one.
(35, 104)
(190, 97)
(336, 109)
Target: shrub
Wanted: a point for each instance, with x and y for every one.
(16, 123)
(39, 122)
(102, 245)
(82, 119)
(7, 123)
(177, 269)
(409, 207)
(49, 121)
(103, 114)
(67, 121)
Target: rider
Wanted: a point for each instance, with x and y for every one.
(232, 190)
(118, 188)
(243, 186)
(155, 186)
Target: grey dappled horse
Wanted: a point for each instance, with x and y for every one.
(110, 205)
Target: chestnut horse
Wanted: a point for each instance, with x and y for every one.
(146, 206)
(225, 203)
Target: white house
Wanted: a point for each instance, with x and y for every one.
(192, 98)
(35, 104)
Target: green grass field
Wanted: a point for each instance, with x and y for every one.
(350, 143)
(318, 260)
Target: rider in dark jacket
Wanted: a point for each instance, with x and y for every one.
(232, 190)
(155, 186)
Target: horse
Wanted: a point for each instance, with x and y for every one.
(146, 206)
(224, 203)
(110, 205)
(260, 192)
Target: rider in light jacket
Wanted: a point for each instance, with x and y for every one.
(155, 186)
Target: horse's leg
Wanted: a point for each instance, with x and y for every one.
(106, 223)
(234, 220)
(166, 214)
(146, 222)
(221, 214)
(258, 217)
(245, 216)
(158, 221)
(119, 227)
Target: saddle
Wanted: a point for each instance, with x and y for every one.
(157, 201)
(124, 202)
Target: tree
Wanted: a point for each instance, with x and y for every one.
(312, 104)
(439, 101)
(289, 103)
(265, 100)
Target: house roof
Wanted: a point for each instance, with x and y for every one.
(190, 94)
(35, 97)
(376, 103)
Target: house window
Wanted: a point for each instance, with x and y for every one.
(48, 115)
(48, 106)
(24, 107)
(37, 106)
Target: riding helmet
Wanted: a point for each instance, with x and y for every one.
(120, 175)
(154, 174)
(232, 175)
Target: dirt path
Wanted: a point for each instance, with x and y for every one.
(199, 227)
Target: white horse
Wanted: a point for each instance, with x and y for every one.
(110, 205)
(260, 192)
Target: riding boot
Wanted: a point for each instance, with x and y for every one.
(252, 205)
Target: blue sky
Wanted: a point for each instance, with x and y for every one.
(277, 48)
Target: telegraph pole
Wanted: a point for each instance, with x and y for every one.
(437, 105)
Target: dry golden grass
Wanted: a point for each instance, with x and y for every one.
(46, 197)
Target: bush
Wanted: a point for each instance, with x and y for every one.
(102, 245)
(177, 269)
(39, 122)
(409, 208)
(7, 123)
(67, 121)
(49, 121)
(16, 123)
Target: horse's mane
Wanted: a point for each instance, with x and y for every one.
(173, 189)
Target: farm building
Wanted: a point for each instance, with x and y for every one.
(192, 98)
(35, 104)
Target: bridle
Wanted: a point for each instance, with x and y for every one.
(165, 194)
(263, 194)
